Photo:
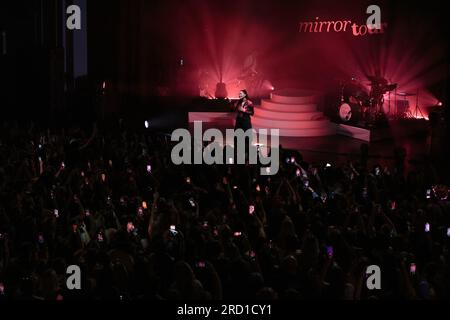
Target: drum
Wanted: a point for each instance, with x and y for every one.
(349, 112)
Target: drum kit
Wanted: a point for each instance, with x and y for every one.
(361, 106)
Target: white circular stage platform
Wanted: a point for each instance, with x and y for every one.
(294, 113)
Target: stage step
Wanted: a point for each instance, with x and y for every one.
(328, 130)
(294, 113)
(310, 115)
(287, 124)
(286, 107)
(295, 96)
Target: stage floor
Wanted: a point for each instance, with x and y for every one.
(336, 148)
(340, 149)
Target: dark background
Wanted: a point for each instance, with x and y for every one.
(136, 47)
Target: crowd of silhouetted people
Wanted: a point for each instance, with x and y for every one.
(111, 201)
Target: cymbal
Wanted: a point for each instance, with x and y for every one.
(405, 94)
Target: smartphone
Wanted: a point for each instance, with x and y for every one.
(146, 124)
(393, 205)
(328, 165)
(377, 171)
(412, 268)
(103, 177)
(82, 173)
(292, 159)
(428, 194)
(56, 213)
(258, 189)
(298, 173)
(63, 165)
(192, 202)
(144, 205)
(329, 251)
(427, 227)
(100, 237)
(149, 168)
(173, 230)
(238, 234)
(188, 180)
(251, 209)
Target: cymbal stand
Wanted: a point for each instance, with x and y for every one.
(418, 107)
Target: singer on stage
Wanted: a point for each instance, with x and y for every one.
(244, 108)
